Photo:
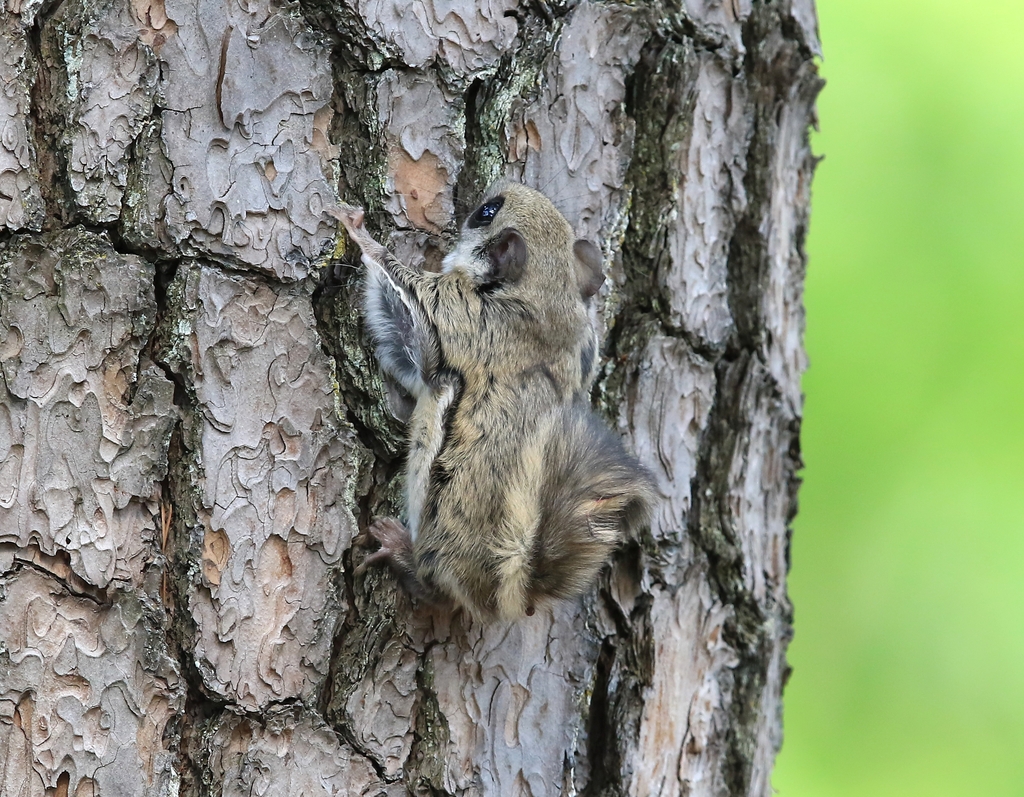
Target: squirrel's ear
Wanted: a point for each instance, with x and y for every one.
(588, 268)
(508, 255)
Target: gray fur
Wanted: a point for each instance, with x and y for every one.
(516, 493)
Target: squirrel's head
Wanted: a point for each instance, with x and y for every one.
(516, 242)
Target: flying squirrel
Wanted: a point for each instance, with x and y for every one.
(516, 493)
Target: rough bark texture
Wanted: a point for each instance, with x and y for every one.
(192, 432)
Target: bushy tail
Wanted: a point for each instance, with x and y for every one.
(594, 496)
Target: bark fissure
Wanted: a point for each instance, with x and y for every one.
(52, 165)
(70, 586)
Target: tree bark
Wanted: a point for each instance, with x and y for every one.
(192, 431)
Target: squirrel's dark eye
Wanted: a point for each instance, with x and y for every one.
(484, 215)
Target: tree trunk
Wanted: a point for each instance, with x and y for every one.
(192, 432)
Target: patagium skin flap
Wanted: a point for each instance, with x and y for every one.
(516, 492)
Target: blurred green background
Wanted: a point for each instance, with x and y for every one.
(908, 553)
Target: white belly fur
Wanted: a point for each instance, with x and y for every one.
(426, 434)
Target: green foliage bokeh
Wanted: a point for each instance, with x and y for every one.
(908, 552)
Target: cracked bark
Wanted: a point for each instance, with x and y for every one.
(192, 432)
